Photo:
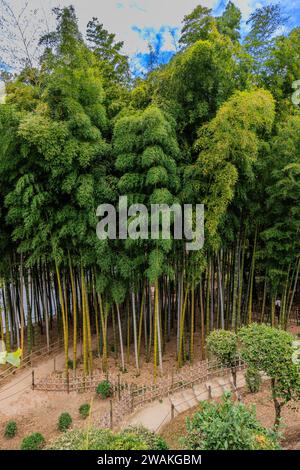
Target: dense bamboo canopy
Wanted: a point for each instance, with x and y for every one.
(212, 127)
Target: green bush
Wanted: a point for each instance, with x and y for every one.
(128, 441)
(10, 429)
(99, 439)
(228, 426)
(71, 364)
(64, 422)
(35, 441)
(253, 380)
(153, 441)
(84, 410)
(104, 389)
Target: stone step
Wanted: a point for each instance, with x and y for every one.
(189, 395)
(225, 383)
(179, 402)
(200, 391)
(216, 389)
(240, 379)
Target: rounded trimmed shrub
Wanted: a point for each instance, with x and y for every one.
(71, 364)
(35, 441)
(84, 410)
(64, 422)
(10, 429)
(253, 380)
(104, 389)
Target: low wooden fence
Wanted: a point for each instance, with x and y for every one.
(134, 398)
(28, 361)
(78, 382)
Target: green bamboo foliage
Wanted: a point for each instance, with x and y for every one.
(75, 133)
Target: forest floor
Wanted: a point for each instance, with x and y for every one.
(176, 429)
(38, 411)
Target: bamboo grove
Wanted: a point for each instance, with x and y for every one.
(216, 125)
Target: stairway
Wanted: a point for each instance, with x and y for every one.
(159, 413)
(213, 388)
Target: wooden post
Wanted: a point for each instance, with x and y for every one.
(54, 364)
(209, 392)
(32, 380)
(172, 410)
(111, 414)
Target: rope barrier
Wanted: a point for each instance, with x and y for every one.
(16, 393)
(16, 383)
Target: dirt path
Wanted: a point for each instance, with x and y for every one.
(161, 412)
(38, 411)
(16, 396)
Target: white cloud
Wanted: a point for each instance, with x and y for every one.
(119, 16)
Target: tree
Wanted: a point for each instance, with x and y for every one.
(146, 149)
(197, 25)
(280, 250)
(264, 23)
(270, 350)
(227, 426)
(64, 40)
(282, 70)
(20, 28)
(113, 63)
(229, 22)
(223, 345)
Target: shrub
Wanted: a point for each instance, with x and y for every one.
(128, 441)
(253, 380)
(99, 439)
(132, 438)
(64, 421)
(10, 429)
(71, 364)
(222, 344)
(35, 441)
(104, 389)
(153, 441)
(228, 426)
(270, 350)
(84, 410)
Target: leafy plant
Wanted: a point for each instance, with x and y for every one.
(253, 380)
(35, 441)
(64, 422)
(270, 350)
(104, 389)
(84, 410)
(71, 364)
(154, 441)
(10, 429)
(223, 345)
(227, 426)
(104, 439)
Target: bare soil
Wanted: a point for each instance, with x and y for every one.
(38, 411)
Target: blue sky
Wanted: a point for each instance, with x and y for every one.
(140, 22)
